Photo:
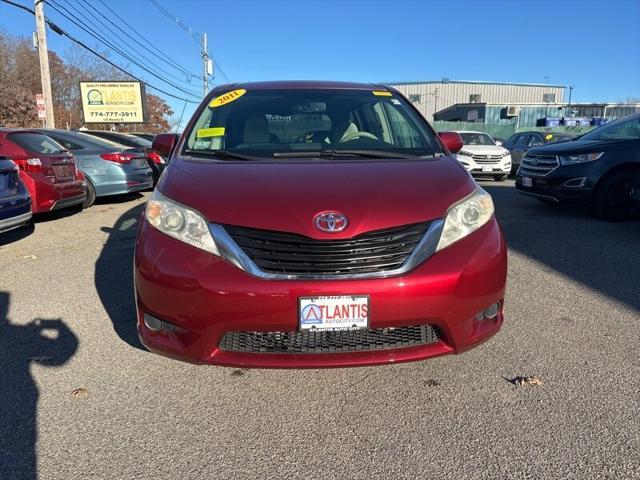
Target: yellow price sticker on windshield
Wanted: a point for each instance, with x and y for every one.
(382, 93)
(227, 98)
(210, 132)
(548, 137)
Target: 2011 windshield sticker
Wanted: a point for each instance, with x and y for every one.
(210, 132)
(381, 93)
(227, 98)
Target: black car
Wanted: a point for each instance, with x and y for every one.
(15, 202)
(155, 161)
(600, 169)
(519, 143)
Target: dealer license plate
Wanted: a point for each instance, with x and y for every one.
(345, 312)
(527, 182)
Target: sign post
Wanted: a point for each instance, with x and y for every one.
(113, 102)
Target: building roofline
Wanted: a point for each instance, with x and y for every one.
(474, 82)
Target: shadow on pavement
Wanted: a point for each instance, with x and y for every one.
(114, 275)
(46, 342)
(15, 235)
(603, 256)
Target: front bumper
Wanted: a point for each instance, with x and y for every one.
(204, 297)
(566, 184)
(498, 167)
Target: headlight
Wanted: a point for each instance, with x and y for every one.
(506, 153)
(464, 153)
(179, 222)
(465, 217)
(583, 157)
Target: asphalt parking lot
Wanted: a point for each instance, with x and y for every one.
(80, 397)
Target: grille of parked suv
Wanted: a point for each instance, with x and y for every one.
(538, 165)
(487, 158)
(292, 254)
(324, 341)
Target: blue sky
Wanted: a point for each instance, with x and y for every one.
(593, 45)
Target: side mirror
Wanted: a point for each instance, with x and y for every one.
(499, 143)
(451, 140)
(164, 143)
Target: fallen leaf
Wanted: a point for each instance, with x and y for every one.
(80, 393)
(528, 380)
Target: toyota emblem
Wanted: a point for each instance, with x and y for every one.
(330, 222)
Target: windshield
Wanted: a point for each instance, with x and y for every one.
(476, 139)
(622, 129)
(302, 123)
(37, 143)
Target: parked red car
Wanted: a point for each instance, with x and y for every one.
(315, 224)
(47, 169)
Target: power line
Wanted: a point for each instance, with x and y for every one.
(176, 20)
(60, 31)
(82, 26)
(141, 56)
(159, 55)
(194, 35)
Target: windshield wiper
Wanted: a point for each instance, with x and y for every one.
(222, 154)
(340, 153)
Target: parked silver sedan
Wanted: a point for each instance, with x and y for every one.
(110, 168)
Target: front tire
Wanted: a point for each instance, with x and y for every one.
(500, 178)
(614, 198)
(91, 196)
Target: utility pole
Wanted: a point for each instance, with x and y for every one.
(43, 53)
(205, 66)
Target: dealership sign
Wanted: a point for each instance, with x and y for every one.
(113, 102)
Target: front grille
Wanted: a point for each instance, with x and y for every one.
(538, 165)
(487, 158)
(288, 253)
(329, 342)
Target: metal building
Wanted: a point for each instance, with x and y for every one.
(536, 114)
(432, 96)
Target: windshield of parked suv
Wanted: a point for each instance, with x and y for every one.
(296, 123)
(476, 139)
(622, 129)
(37, 143)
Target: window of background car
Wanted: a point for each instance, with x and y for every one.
(66, 143)
(36, 142)
(522, 141)
(477, 139)
(535, 140)
(263, 122)
(623, 129)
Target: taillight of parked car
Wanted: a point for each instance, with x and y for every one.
(29, 165)
(155, 158)
(119, 157)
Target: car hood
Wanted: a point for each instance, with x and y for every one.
(485, 149)
(571, 146)
(285, 196)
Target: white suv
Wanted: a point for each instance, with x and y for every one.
(481, 156)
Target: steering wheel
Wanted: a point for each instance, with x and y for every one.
(356, 135)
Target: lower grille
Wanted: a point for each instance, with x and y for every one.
(288, 253)
(364, 340)
(538, 165)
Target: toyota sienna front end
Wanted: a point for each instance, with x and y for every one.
(315, 224)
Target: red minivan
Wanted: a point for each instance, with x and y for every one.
(47, 169)
(315, 224)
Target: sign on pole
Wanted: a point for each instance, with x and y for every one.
(40, 106)
(113, 102)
